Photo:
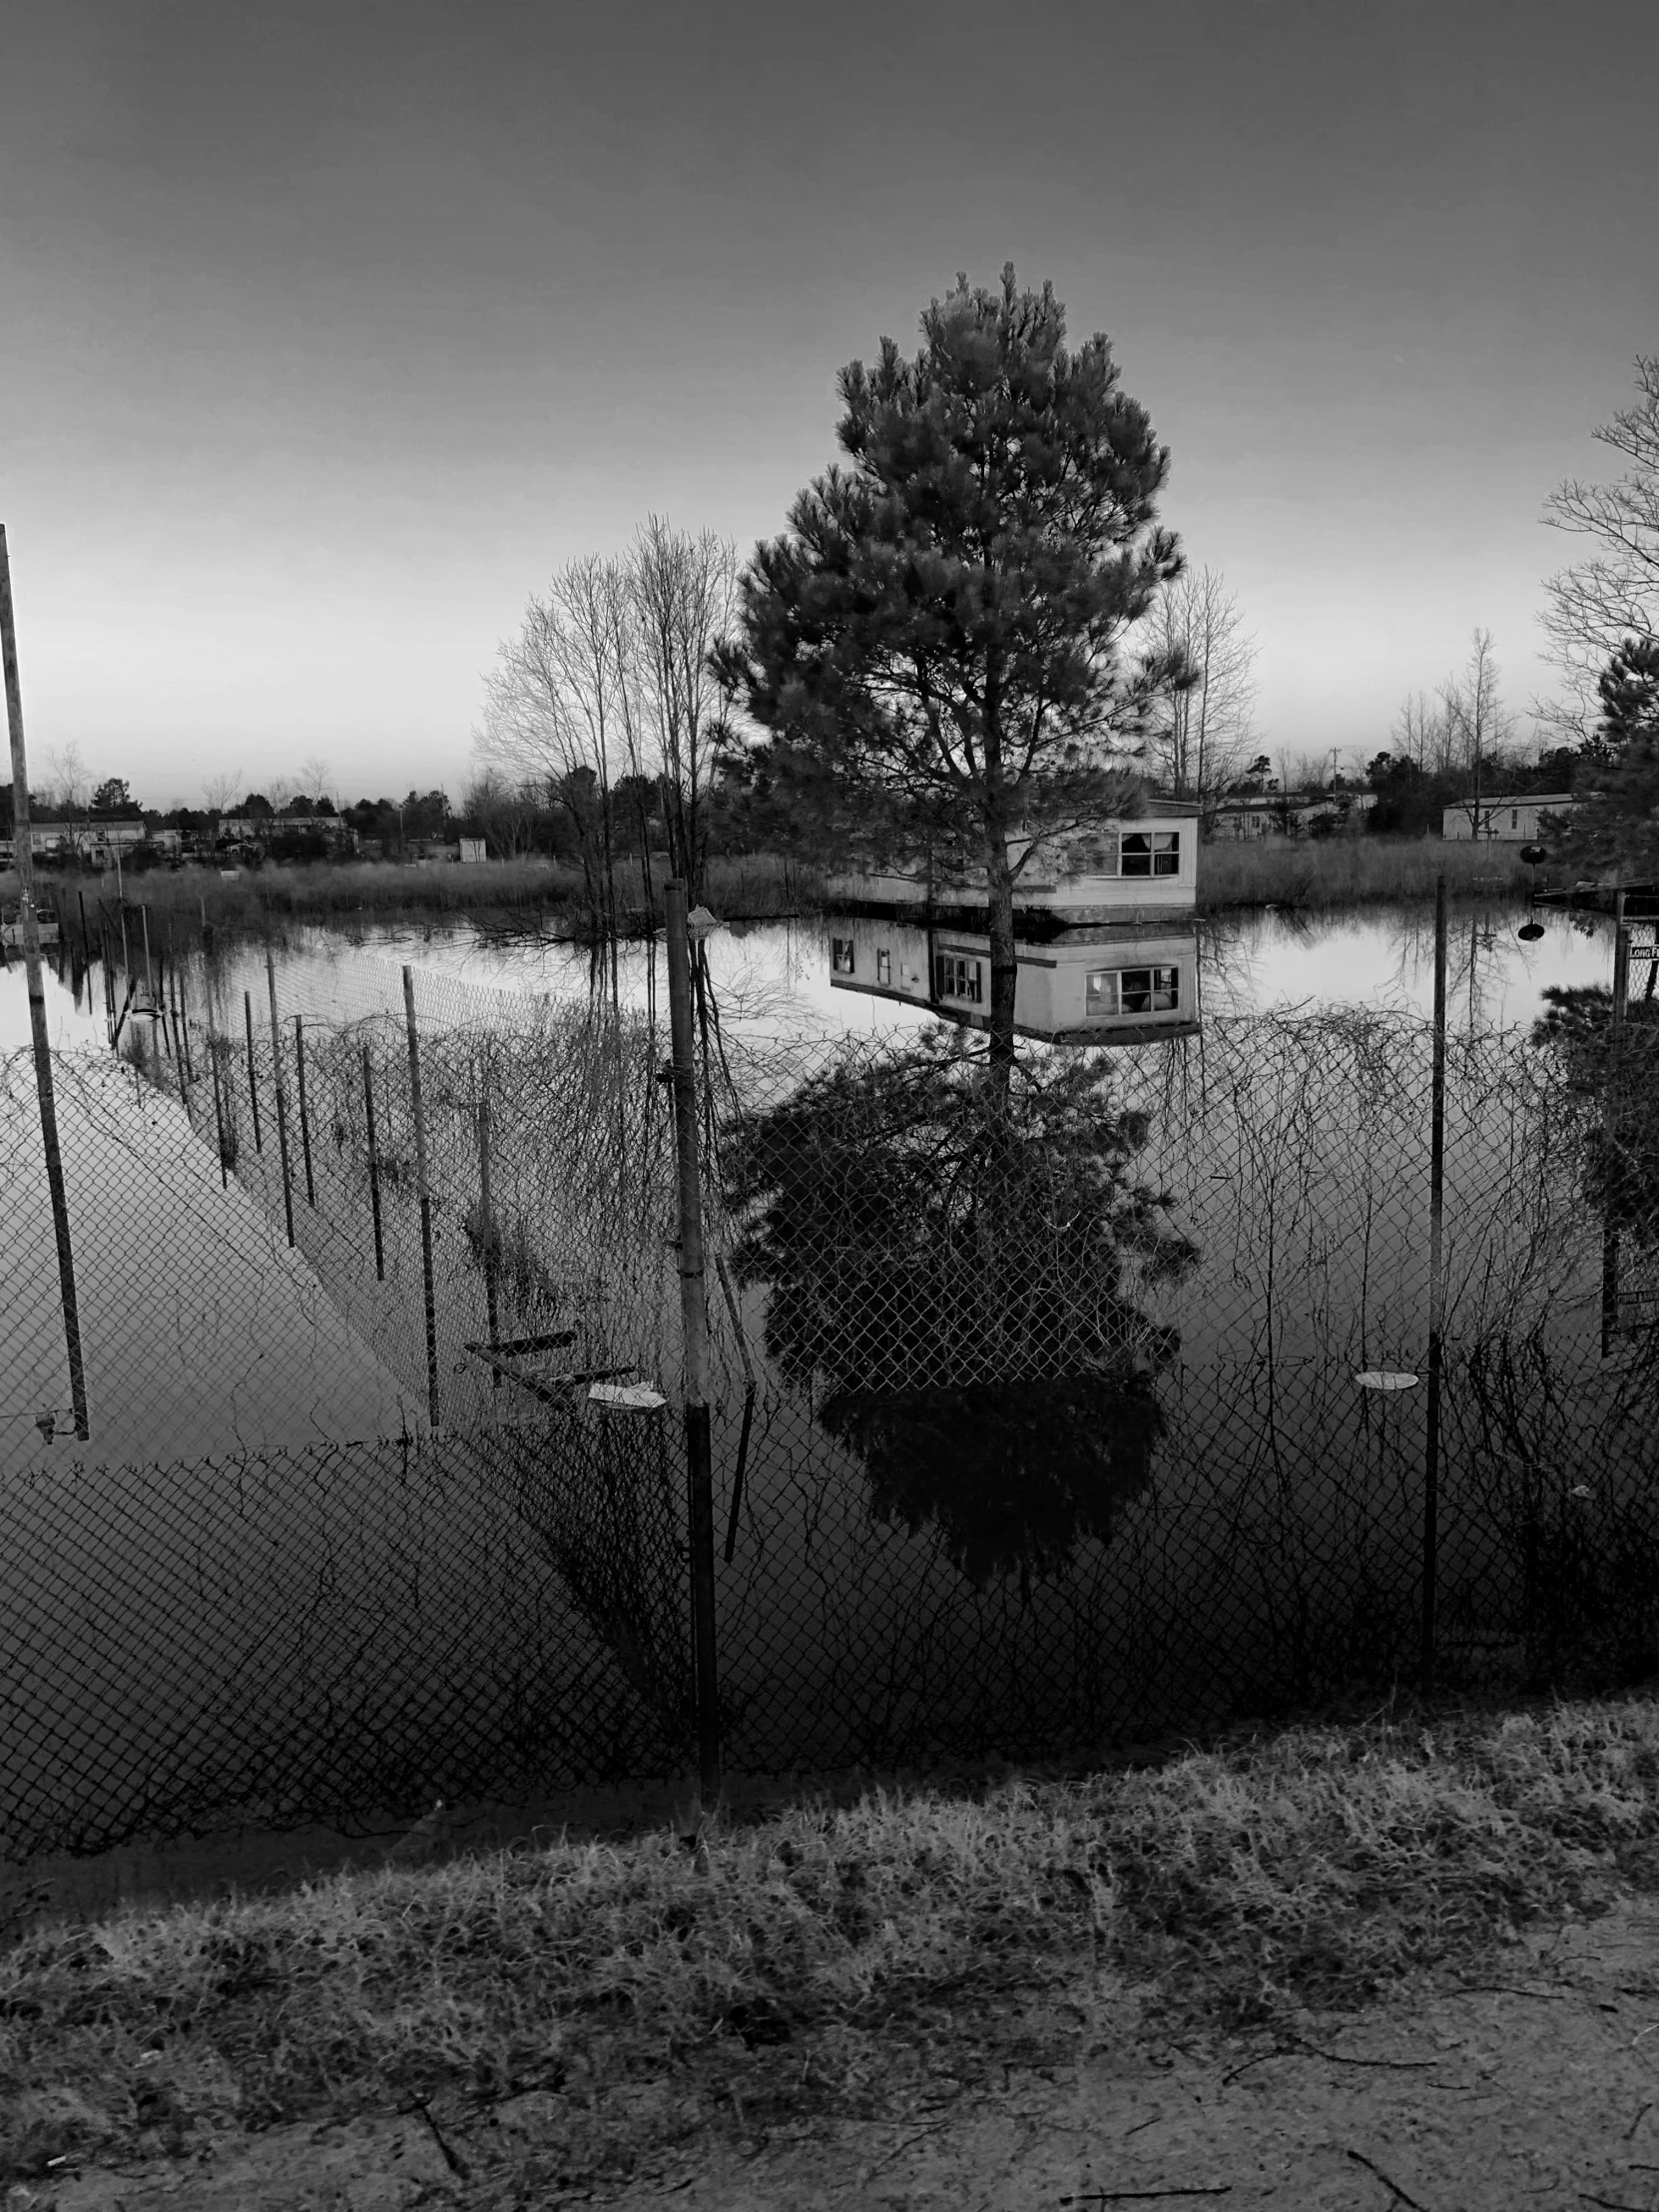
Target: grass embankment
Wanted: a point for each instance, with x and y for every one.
(1354, 872)
(1314, 1867)
(366, 891)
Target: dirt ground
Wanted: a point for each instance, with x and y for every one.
(1535, 2083)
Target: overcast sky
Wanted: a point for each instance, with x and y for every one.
(329, 328)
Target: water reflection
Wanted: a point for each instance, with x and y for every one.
(955, 1272)
(1087, 986)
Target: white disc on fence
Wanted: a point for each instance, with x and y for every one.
(626, 1397)
(1386, 1378)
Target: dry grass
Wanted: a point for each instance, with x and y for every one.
(1352, 872)
(752, 888)
(1315, 1867)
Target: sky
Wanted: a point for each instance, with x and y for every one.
(330, 329)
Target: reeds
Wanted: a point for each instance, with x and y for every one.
(1352, 872)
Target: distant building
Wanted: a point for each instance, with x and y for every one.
(1511, 821)
(473, 851)
(1290, 814)
(1092, 986)
(1143, 868)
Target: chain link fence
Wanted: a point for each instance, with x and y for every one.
(1050, 1405)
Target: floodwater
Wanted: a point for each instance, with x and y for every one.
(881, 1599)
(773, 977)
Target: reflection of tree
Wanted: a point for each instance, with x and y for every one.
(949, 1253)
(1615, 1082)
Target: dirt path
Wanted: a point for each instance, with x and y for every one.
(1538, 2086)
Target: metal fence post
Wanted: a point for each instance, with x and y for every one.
(487, 1225)
(282, 1096)
(252, 1085)
(694, 1319)
(373, 1169)
(304, 1112)
(1436, 1223)
(424, 1193)
(1610, 1239)
(45, 1094)
(218, 1106)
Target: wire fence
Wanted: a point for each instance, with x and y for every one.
(1085, 1399)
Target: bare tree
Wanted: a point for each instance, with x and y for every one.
(71, 783)
(1204, 725)
(557, 709)
(683, 600)
(315, 778)
(222, 792)
(1479, 727)
(1421, 734)
(504, 810)
(1596, 604)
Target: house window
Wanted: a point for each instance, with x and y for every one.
(1514, 818)
(841, 955)
(1150, 853)
(959, 977)
(1141, 990)
(884, 967)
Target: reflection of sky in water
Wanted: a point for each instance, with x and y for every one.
(774, 977)
(201, 1333)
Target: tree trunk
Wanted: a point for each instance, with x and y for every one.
(999, 882)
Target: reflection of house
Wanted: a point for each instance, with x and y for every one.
(1091, 986)
(1513, 821)
(1290, 813)
(1139, 869)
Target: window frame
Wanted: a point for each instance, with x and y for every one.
(1151, 847)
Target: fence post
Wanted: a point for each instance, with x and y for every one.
(1610, 1240)
(305, 1111)
(253, 1086)
(486, 1208)
(694, 1321)
(282, 1096)
(218, 1104)
(1436, 1223)
(45, 1094)
(424, 1193)
(373, 1169)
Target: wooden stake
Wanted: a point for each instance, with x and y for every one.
(45, 1094)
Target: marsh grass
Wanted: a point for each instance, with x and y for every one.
(1314, 873)
(1237, 1883)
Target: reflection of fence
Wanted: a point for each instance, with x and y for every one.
(1043, 1389)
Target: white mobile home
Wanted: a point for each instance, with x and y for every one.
(1516, 821)
(1092, 986)
(1142, 870)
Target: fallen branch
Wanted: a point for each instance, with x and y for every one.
(1360, 2159)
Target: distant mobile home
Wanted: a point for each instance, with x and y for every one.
(1516, 820)
(1092, 986)
(1143, 870)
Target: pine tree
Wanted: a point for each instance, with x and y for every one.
(939, 626)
